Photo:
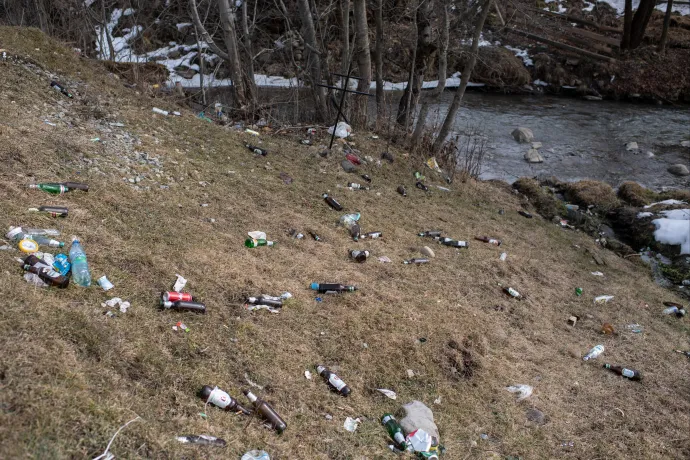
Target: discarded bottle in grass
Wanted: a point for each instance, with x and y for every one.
(266, 300)
(315, 236)
(221, 399)
(332, 288)
(28, 246)
(202, 439)
(627, 373)
(172, 296)
(512, 292)
(486, 239)
(401, 190)
(682, 352)
(263, 408)
(76, 186)
(366, 177)
(80, 266)
(332, 202)
(421, 186)
(416, 261)
(60, 88)
(578, 291)
(55, 189)
(53, 211)
(359, 256)
(48, 275)
(356, 186)
(257, 150)
(674, 309)
(371, 235)
(253, 243)
(452, 243)
(395, 431)
(594, 353)
(43, 231)
(183, 305)
(355, 231)
(430, 233)
(256, 455)
(525, 214)
(295, 234)
(354, 159)
(333, 380)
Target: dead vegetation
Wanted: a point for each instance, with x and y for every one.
(70, 376)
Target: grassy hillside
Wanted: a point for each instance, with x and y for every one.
(70, 376)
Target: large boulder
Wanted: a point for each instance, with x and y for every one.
(523, 135)
(532, 156)
(679, 170)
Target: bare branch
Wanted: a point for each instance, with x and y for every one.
(194, 13)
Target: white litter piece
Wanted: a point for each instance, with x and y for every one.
(504, 256)
(180, 283)
(597, 274)
(33, 278)
(272, 309)
(307, 375)
(388, 393)
(342, 130)
(112, 302)
(257, 235)
(410, 373)
(160, 111)
(124, 306)
(603, 298)
(437, 400)
(384, 259)
(351, 424)
(445, 189)
(286, 295)
(105, 283)
(105, 453)
(523, 391)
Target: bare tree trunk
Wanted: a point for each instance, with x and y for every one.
(627, 22)
(424, 50)
(202, 66)
(248, 51)
(345, 26)
(313, 58)
(378, 55)
(664, 31)
(227, 20)
(640, 21)
(108, 38)
(363, 57)
(466, 72)
(444, 41)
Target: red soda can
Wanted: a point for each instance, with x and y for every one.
(354, 159)
(172, 296)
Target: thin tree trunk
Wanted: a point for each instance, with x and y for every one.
(627, 23)
(466, 72)
(444, 41)
(378, 54)
(313, 58)
(108, 38)
(424, 50)
(640, 21)
(202, 66)
(248, 51)
(345, 27)
(227, 20)
(363, 58)
(664, 31)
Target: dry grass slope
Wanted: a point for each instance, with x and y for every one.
(69, 376)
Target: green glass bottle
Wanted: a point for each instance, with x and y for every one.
(55, 189)
(395, 431)
(252, 243)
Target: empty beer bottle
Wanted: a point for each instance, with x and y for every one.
(356, 186)
(395, 431)
(332, 202)
(334, 382)
(55, 189)
(486, 239)
(266, 411)
(257, 150)
(594, 353)
(454, 243)
(627, 373)
(332, 288)
(401, 190)
(264, 299)
(48, 275)
(366, 177)
(60, 88)
(430, 233)
(371, 235)
(683, 352)
(53, 211)
(315, 236)
(416, 261)
(359, 256)
(221, 399)
(525, 214)
(253, 243)
(355, 231)
(512, 292)
(183, 305)
(76, 186)
(421, 186)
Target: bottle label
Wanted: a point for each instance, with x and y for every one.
(513, 292)
(219, 398)
(336, 382)
(399, 438)
(628, 373)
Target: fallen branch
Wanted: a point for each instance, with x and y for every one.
(562, 45)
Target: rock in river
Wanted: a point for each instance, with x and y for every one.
(523, 135)
(679, 170)
(532, 156)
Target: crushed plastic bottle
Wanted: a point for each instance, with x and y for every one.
(202, 439)
(80, 266)
(594, 353)
(256, 455)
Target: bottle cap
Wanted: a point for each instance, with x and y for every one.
(315, 286)
(28, 246)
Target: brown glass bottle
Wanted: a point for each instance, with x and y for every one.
(332, 202)
(627, 373)
(76, 186)
(221, 399)
(183, 305)
(266, 411)
(401, 190)
(486, 239)
(48, 275)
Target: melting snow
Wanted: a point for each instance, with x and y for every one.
(619, 6)
(642, 215)
(677, 214)
(522, 54)
(665, 202)
(673, 232)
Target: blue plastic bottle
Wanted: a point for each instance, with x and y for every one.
(80, 267)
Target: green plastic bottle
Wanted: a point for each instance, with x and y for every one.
(395, 431)
(252, 243)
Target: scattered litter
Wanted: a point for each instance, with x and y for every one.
(523, 391)
(202, 439)
(307, 375)
(180, 326)
(257, 235)
(328, 417)
(607, 328)
(342, 130)
(433, 164)
(445, 189)
(179, 283)
(572, 320)
(484, 436)
(384, 259)
(252, 132)
(33, 278)
(106, 455)
(437, 400)
(256, 455)
(578, 291)
(597, 274)
(568, 444)
(419, 441)
(271, 308)
(664, 203)
(504, 256)
(388, 393)
(603, 298)
(160, 111)
(351, 424)
(49, 123)
(594, 353)
(410, 373)
(105, 283)
(635, 328)
(419, 416)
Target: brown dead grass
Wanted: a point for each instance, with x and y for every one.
(592, 193)
(69, 376)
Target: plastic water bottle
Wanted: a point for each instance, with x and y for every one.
(594, 353)
(80, 267)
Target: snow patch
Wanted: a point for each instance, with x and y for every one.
(642, 215)
(183, 25)
(522, 54)
(677, 214)
(673, 232)
(540, 83)
(619, 6)
(665, 203)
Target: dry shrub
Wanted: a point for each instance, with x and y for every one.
(591, 192)
(682, 195)
(635, 194)
(496, 67)
(543, 200)
(138, 74)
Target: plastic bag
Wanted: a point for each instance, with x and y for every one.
(342, 130)
(523, 391)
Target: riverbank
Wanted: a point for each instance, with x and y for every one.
(178, 195)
